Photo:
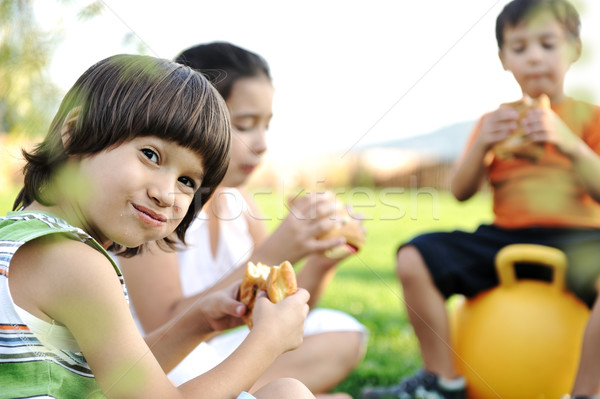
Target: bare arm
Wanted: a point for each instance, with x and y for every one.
(154, 287)
(587, 165)
(211, 313)
(470, 171)
(315, 276)
(87, 298)
(297, 235)
(546, 126)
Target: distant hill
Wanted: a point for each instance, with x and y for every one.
(444, 144)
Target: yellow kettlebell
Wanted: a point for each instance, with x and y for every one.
(521, 339)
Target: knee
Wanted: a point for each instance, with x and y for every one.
(409, 265)
(284, 388)
(340, 350)
(356, 345)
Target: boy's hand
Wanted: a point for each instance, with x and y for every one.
(282, 321)
(497, 126)
(544, 125)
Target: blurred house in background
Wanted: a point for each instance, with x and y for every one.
(418, 161)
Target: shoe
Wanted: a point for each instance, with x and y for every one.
(423, 385)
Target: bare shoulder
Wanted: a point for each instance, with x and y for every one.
(53, 269)
(58, 254)
(75, 285)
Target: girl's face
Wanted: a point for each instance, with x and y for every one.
(251, 108)
(539, 54)
(136, 192)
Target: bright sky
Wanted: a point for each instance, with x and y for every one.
(347, 73)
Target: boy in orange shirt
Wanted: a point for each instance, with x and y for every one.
(553, 200)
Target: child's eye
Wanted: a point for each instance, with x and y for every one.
(244, 123)
(188, 182)
(242, 129)
(150, 154)
(548, 46)
(249, 127)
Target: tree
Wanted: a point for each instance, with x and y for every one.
(28, 97)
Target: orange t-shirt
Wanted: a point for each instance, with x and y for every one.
(547, 192)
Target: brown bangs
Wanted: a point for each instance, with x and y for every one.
(128, 96)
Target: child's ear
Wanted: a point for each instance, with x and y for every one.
(500, 55)
(69, 124)
(575, 49)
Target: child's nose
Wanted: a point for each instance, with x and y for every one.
(162, 192)
(259, 144)
(535, 53)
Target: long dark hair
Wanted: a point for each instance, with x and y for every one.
(224, 63)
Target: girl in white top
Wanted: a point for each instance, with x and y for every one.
(230, 231)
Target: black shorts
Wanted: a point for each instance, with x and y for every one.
(463, 262)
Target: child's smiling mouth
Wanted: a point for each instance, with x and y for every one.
(149, 216)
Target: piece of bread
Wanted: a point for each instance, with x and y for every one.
(277, 281)
(253, 282)
(281, 282)
(349, 228)
(518, 145)
(345, 226)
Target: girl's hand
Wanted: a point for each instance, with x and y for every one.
(497, 126)
(543, 125)
(221, 309)
(282, 322)
(296, 236)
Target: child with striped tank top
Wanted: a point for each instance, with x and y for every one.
(137, 147)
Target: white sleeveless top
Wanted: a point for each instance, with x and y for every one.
(198, 268)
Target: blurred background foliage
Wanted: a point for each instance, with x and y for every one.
(28, 97)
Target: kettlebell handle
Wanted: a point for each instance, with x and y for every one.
(530, 253)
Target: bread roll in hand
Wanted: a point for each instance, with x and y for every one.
(348, 227)
(277, 281)
(518, 145)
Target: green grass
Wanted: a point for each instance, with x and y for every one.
(365, 285)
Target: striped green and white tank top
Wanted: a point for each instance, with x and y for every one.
(39, 359)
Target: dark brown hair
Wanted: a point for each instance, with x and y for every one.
(520, 10)
(224, 63)
(128, 96)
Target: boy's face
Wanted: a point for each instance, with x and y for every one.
(138, 191)
(539, 53)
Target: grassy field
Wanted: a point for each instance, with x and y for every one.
(365, 285)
